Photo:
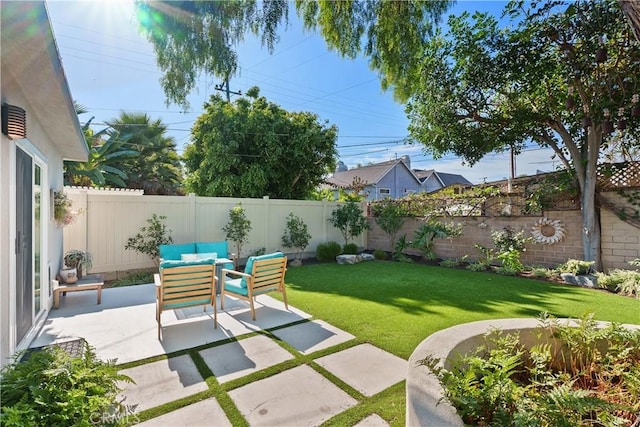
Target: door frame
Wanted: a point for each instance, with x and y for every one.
(40, 160)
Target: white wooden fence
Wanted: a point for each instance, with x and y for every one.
(106, 219)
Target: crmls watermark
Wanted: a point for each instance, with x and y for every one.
(124, 414)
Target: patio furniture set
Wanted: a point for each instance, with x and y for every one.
(194, 274)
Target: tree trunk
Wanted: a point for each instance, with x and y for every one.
(590, 215)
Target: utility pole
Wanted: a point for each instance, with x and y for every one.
(224, 86)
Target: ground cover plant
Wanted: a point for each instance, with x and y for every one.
(397, 305)
(573, 375)
(50, 388)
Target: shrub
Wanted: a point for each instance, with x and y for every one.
(510, 246)
(542, 272)
(349, 219)
(430, 230)
(627, 282)
(569, 380)
(380, 255)
(576, 266)
(296, 235)
(350, 248)
(50, 388)
(450, 263)
(401, 245)
(149, 238)
(327, 252)
(477, 266)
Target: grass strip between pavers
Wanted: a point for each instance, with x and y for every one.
(366, 405)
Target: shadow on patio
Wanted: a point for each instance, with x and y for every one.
(124, 327)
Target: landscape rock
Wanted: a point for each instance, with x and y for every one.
(348, 259)
(367, 257)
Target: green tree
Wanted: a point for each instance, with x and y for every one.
(561, 74)
(148, 240)
(190, 37)
(348, 218)
(389, 216)
(296, 235)
(254, 148)
(238, 228)
(106, 152)
(156, 167)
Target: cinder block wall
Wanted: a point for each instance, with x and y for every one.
(620, 240)
(477, 230)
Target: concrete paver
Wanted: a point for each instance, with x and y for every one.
(297, 397)
(161, 382)
(204, 413)
(240, 358)
(312, 336)
(373, 420)
(366, 368)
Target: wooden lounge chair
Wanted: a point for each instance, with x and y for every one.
(183, 284)
(262, 274)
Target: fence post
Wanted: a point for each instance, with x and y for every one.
(266, 227)
(192, 216)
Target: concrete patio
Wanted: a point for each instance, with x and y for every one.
(123, 327)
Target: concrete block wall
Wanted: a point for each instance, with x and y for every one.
(620, 240)
(477, 230)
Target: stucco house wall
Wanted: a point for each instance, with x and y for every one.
(32, 78)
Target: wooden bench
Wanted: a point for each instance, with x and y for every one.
(87, 283)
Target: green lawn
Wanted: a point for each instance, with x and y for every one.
(397, 305)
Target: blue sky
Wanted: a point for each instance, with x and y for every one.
(111, 68)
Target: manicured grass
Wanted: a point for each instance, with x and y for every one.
(397, 305)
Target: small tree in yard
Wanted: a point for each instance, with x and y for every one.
(296, 235)
(149, 238)
(238, 227)
(389, 216)
(349, 220)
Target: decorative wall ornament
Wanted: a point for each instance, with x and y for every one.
(547, 231)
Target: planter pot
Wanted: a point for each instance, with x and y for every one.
(69, 275)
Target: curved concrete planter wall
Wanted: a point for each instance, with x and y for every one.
(424, 407)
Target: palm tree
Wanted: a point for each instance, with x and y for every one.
(101, 169)
(156, 168)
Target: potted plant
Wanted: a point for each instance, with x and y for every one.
(78, 259)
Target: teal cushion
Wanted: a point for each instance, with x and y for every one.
(174, 252)
(179, 263)
(218, 247)
(234, 286)
(249, 266)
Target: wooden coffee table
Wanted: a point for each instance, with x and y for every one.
(87, 283)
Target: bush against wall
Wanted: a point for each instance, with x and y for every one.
(238, 227)
(296, 235)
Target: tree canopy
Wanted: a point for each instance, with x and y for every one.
(562, 74)
(192, 37)
(156, 166)
(254, 148)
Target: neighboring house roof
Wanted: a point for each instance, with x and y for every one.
(370, 174)
(31, 64)
(448, 179)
